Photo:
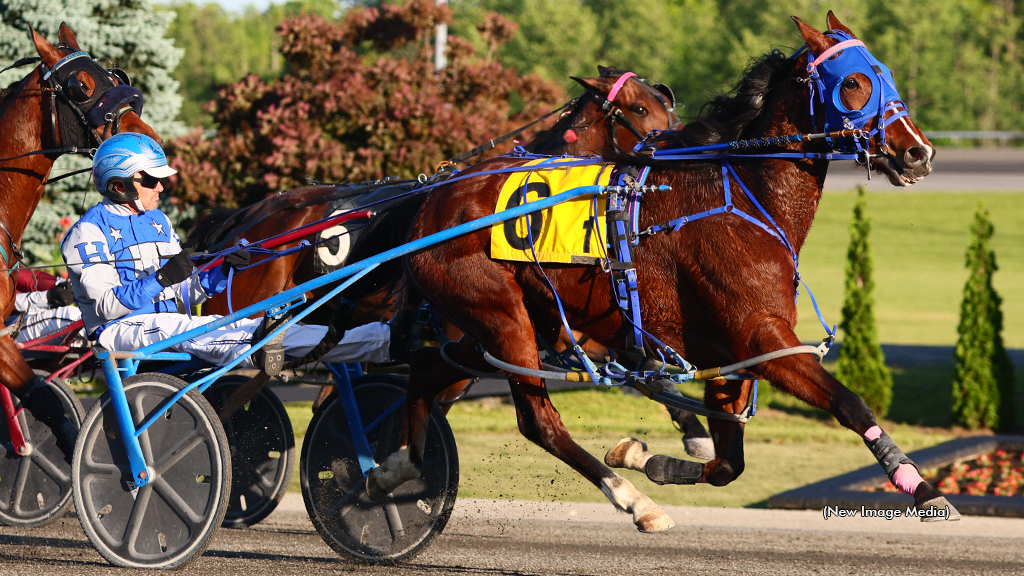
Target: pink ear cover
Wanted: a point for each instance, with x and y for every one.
(569, 136)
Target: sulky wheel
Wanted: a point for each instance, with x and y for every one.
(169, 521)
(35, 487)
(334, 488)
(262, 452)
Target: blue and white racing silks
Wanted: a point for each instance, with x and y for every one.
(112, 256)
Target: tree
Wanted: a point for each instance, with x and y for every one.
(861, 365)
(222, 47)
(125, 33)
(983, 388)
(361, 101)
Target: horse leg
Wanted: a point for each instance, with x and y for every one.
(802, 376)
(724, 395)
(36, 396)
(538, 421)
(696, 440)
(429, 375)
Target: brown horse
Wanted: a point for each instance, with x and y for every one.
(30, 122)
(718, 290)
(593, 124)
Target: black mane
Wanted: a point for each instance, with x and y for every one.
(739, 113)
(211, 226)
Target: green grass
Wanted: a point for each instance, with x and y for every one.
(919, 240)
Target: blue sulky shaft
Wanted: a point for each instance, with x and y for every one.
(125, 422)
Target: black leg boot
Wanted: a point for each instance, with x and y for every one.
(45, 406)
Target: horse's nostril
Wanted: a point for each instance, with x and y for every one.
(916, 156)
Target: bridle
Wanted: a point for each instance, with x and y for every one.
(113, 96)
(825, 75)
(614, 115)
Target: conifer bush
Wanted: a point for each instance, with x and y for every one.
(983, 387)
(861, 366)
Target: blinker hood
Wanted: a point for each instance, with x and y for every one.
(111, 97)
(827, 76)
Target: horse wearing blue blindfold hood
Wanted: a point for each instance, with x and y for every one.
(728, 203)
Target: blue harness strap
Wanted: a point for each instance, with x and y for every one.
(621, 208)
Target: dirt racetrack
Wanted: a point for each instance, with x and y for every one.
(513, 538)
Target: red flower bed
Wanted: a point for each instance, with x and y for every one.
(998, 473)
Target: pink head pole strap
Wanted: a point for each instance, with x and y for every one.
(618, 85)
(828, 53)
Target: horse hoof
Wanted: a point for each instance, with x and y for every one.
(945, 509)
(654, 521)
(702, 448)
(628, 453)
(373, 489)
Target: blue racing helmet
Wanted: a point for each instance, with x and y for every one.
(120, 157)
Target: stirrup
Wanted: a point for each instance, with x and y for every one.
(270, 358)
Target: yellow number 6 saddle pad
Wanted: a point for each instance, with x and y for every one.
(563, 233)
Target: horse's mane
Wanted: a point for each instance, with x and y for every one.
(211, 225)
(738, 113)
(6, 92)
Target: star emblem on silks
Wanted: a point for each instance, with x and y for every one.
(159, 228)
(116, 235)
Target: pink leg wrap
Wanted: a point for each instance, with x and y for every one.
(873, 433)
(907, 478)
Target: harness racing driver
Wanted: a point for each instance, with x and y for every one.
(129, 271)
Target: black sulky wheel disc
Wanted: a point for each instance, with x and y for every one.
(262, 452)
(334, 489)
(169, 521)
(35, 488)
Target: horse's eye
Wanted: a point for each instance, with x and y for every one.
(851, 83)
(77, 90)
(639, 110)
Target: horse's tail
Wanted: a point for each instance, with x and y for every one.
(388, 229)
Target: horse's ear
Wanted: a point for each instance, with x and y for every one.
(47, 52)
(67, 35)
(601, 84)
(835, 24)
(816, 41)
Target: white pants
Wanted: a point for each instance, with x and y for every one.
(45, 322)
(368, 343)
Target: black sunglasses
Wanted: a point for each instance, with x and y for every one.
(147, 181)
